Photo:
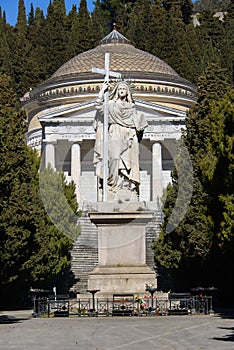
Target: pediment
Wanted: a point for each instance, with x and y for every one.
(68, 113)
(153, 111)
(85, 112)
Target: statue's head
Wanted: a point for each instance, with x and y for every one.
(122, 90)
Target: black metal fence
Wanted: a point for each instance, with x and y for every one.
(123, 305)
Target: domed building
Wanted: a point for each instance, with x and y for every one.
(61, 112)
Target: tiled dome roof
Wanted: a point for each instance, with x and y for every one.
(123, 57)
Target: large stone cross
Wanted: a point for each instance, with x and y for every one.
(107, 73)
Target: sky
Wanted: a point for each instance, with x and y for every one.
(11, 7)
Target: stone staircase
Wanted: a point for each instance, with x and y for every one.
(151, 234)
(84, 253)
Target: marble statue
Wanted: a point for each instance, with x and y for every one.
(125, 130)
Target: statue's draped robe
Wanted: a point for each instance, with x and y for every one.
(123, 147)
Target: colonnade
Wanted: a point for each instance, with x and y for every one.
(156, 177)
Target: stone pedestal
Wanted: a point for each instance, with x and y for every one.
(121, 251)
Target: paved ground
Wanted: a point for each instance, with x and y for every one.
(20, 332)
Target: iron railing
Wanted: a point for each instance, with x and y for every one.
(182, 304)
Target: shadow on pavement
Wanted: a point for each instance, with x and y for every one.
(228, 337)
(4, 319)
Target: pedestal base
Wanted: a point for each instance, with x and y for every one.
(121, 279)
(122, 265)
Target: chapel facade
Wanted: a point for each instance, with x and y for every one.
(61, 112)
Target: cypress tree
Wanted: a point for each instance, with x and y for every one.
(217, 176)
(20, 49)
(157, 28)
(186, 7)
(33, 251)
(17, 190)
(5, 55)
(31, 16)
(72, 44)
(228, 42)
(56, 36)
(118, 12)
(71, 17)
(188, 248)
(214, 5)
(187, 10)
(21, 23)
(83, 27)
(38, 53)
(23, 64)
(80, 37)
(98, 29)
(139, 25)
(211, 34)
(176, 50)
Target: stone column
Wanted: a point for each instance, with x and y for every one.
(50, 155)
(76, 168)
(157, 189)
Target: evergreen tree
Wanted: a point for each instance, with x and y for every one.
(186, 7)
(60, 201)
(80, 32)
(31, 16)
(5, 55)
(188, 249)
(211, 5)
(228, 42)
(58, 227)
(33, 250)
(17, 190)
(211, 38)
(139, 25)
(217, 168)
(157, 28)
(72, 44)
(83, 27)
(24, 68)
(176, 50)
(71, 17)
(118, 12)
(184, 242)
(36, 34)
(56, 36)
(187, 10)
(20, 48)
(98, 30)
(21, 24)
